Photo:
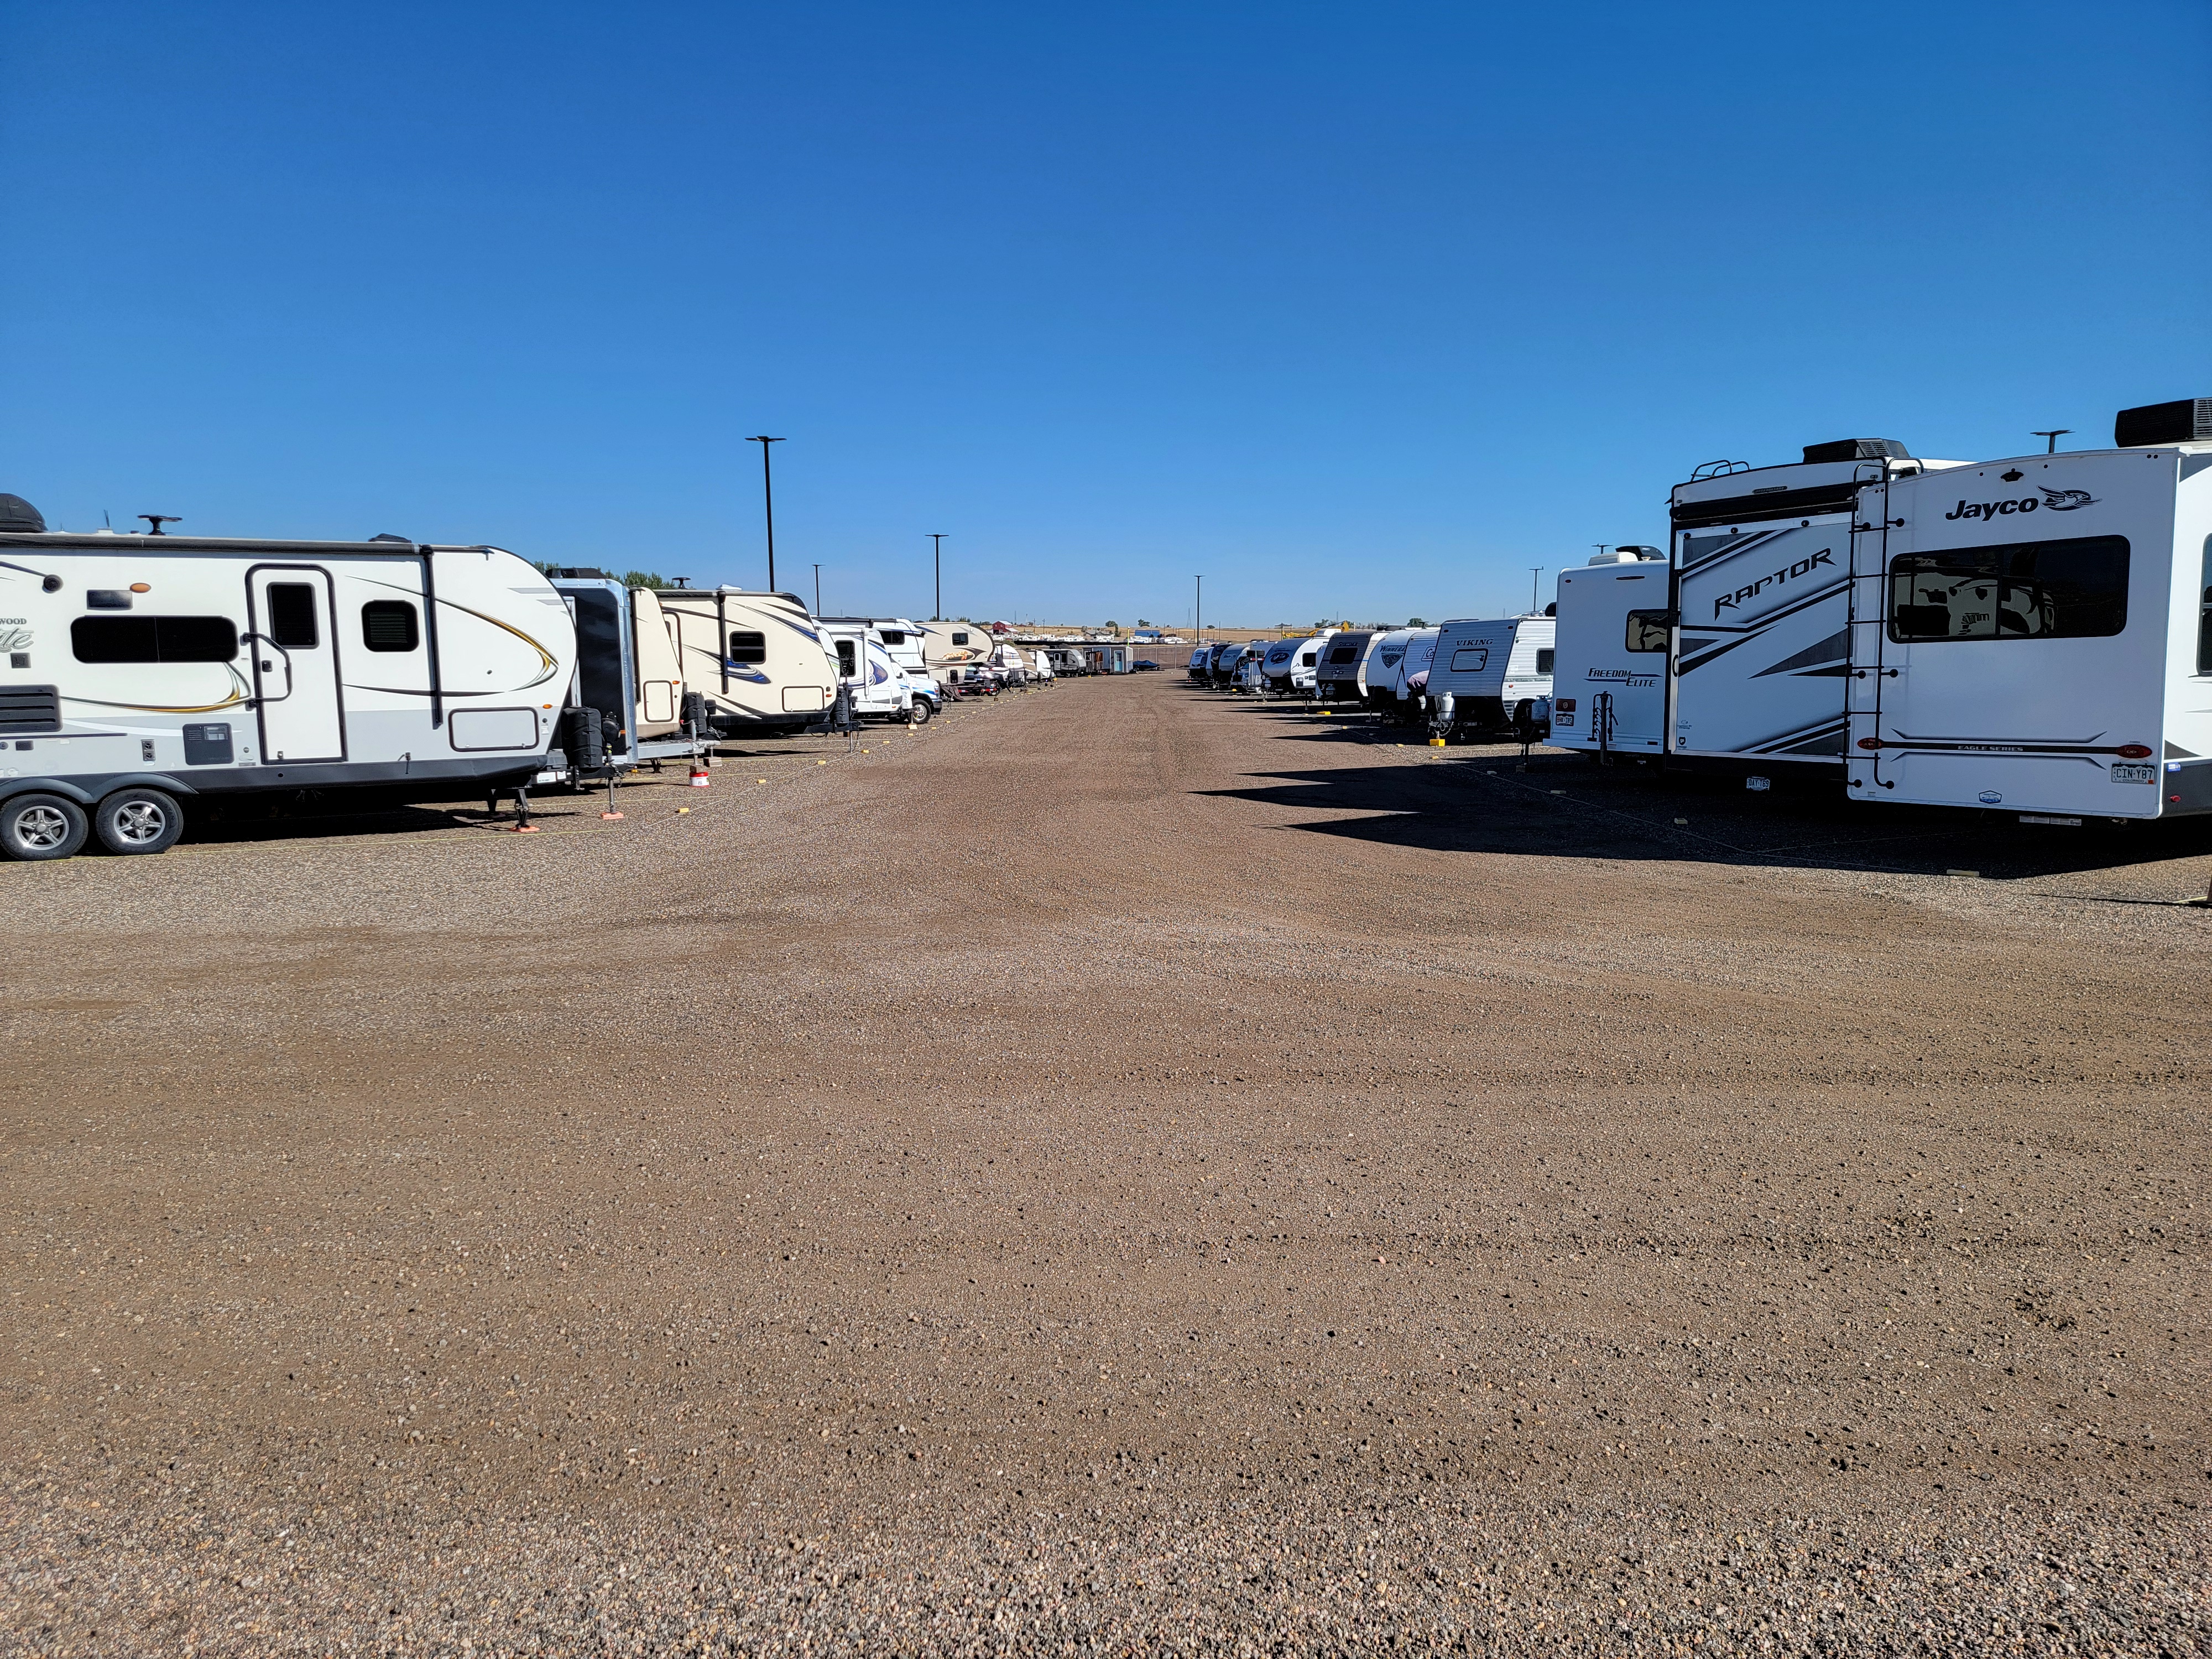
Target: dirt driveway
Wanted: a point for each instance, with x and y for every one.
(1123, 1167)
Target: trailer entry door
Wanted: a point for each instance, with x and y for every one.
(294, 653)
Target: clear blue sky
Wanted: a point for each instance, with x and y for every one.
(1359, 311)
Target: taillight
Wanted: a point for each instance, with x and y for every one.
(1870, 743)
(2133, 751)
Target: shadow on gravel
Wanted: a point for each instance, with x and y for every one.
(346, 813)
(1567, 806)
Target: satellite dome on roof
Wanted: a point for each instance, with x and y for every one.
(18, 517)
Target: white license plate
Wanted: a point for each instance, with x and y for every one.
(2130, 772)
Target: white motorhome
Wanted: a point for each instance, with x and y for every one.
(1609, 666)
(1485, 676)
(143, 670)
(757, 659)
(1336, 676)
(2035, 634)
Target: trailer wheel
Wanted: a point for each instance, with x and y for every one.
(137, 821)
(41, 827)
(922, 712)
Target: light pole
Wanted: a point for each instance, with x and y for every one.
(768, 501)
(1535, 574)
(1199, 609)
(936, 560)
(2054, 435)
(817, 590)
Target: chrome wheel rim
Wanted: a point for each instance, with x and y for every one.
(41, 827)
(139, 822)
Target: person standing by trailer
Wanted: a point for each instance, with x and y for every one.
(2034, 635)
(144, 671)
(1609, 674)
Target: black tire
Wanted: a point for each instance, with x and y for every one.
(920, 712)
(138, 820)
(35, 826)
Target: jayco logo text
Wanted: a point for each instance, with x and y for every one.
(2058, 500)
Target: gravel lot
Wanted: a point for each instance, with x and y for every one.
(1121, 1170)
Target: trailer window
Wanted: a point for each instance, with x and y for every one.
(747, 647)
(893, 637)
(847, 659)
(2067, 590)
(292, 615)
(1544, 658)
(1647, 630)
(154, 639)
(959, 639)
(389, 625)
(2204, 613)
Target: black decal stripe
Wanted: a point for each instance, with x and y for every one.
(1835, 648)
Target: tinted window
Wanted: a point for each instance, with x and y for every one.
(292, 615)
(154, 639)
(1343, 653)
(847, 659)
(959, 639)
(1544, 655)
(893, 637)
(1647, 630)
(746, 648)
(2015, 591)
(2204, 614)
(389, 625)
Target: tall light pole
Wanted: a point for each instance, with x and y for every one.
(1199, 613)
(768, 501)
(2050, 448)
(817, 590)
(936, 560)
(1535, 575)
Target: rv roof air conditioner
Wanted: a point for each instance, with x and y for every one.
(1857, 449)
(2186, 422)
(18, 518)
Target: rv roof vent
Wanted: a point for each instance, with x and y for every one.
(2188, 422)
(582, 572)
(18, 517)
(388, 536)
(1644, 552)
(1857, 449)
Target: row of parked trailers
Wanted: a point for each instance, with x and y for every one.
(145, 671)
(2031, 634)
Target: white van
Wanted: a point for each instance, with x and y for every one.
(1487, 674)
(1609, 666)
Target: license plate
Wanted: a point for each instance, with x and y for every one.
(2130, 772)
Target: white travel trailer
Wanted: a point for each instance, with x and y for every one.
(626, 675)
(1485, 674)
(1761, 568)
(757, 659)
(144, 670)
(1378, 671)
(1290, 665)
(1336, 676)
(879, 687)
(1251, 676)
(2035, 634)
(953, 650)
(1409, 683)
(1609, 667)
